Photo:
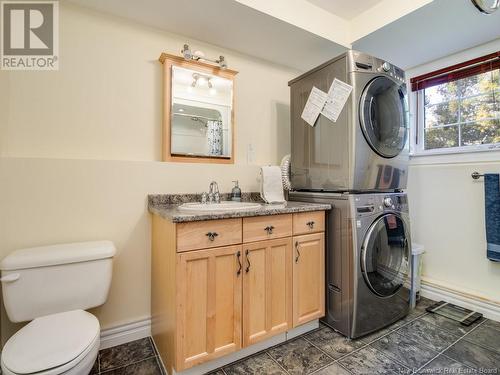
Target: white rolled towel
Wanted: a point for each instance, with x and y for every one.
(271, 187)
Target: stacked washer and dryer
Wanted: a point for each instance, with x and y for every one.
(359, 165)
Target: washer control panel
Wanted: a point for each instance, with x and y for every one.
(370, 204)
(388, 202)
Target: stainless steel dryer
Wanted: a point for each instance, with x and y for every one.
(367, 260)
(367, 148)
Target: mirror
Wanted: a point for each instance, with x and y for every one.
(201, 115)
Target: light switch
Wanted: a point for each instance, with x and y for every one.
(250, 154)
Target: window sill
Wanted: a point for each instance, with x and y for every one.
(450, 156)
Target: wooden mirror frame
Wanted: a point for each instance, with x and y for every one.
(168, 62)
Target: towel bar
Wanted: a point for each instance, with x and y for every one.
(476, 175)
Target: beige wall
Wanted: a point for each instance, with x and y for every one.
(447, 209)
(80, 147)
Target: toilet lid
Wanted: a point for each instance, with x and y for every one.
(50, 341)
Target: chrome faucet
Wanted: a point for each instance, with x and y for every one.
(213, 193)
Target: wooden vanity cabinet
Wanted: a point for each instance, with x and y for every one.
(308, 278)
(208, 304)
(195, 235)
(267, 289)
(213, 295)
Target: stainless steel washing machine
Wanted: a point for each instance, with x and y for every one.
(367, 259)
(367, 148)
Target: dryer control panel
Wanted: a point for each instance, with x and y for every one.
(362, 62)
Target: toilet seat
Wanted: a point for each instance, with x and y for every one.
(53, 345)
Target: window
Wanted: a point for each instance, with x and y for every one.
(458, 108)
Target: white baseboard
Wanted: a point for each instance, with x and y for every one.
(489, 309)
(125, 333)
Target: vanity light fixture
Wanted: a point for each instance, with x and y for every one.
(222, 62)
(188, 55)
(186, 52)
(211, 88)
(201, 80)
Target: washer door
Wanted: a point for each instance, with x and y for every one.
(384, 255)
(383, 116)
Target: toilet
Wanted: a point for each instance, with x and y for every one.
(51, 287)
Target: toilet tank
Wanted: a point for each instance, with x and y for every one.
(50, 279)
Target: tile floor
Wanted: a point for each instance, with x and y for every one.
(421, 343)
(133, 358)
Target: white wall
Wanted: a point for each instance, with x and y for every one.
(80, 147)
(447, 208)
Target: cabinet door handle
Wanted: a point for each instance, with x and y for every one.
(248, 261)
(211, 235)
(269, 229)
(238, 256)
(310, 224)
(298, 252)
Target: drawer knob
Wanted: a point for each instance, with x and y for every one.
(211, 235)
(269, 229)
(310, 224)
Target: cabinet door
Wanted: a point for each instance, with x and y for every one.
(208, 305)
(308, 278)
(267, 289)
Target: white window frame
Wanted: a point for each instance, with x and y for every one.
(417, 127)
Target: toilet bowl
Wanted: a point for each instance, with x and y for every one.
(51, 287)
(63, 343)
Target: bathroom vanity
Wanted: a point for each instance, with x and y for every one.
(225, 280)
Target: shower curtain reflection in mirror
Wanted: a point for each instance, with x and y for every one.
(214, 137)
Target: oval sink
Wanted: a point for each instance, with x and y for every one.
(222, 206)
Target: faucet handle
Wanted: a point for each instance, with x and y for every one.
(213, 193)
(203, 197)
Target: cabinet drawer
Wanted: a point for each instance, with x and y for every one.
(308, 222)
(266, 227)
(206, 234)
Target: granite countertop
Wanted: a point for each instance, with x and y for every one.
(167, 206)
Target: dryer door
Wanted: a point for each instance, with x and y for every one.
(385, 255)
(383, 115)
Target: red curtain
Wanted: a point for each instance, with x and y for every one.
(458, 71)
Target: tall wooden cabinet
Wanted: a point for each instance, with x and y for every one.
(222, 285)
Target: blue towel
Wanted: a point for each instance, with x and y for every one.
(492, 210)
